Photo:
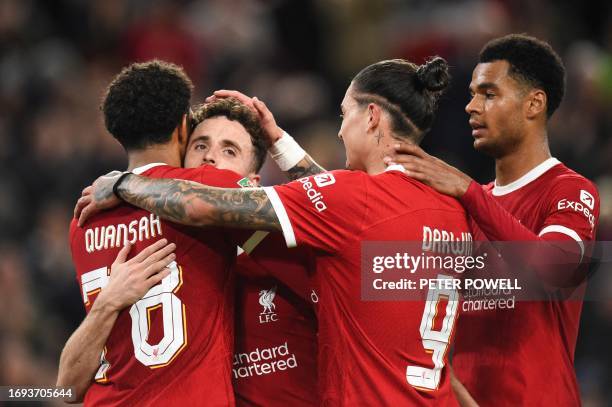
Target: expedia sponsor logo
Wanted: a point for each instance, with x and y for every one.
(324, 179)
(315, 197)
(263, 361)
(580, 207)
(587, 199)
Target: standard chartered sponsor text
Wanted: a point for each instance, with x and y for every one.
(263, 361)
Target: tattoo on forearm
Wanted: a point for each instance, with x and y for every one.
(190, 203)
(306, 167)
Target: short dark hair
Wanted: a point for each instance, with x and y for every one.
(145, 103)
(408, 92)
(532, 62)
(233, 109)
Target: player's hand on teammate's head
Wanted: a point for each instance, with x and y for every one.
(223, 94)
(265, 116)
(430, 170)
(131, 279)
(97, 197)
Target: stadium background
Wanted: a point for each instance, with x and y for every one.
(298, 56)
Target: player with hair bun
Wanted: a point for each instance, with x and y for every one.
(370, 353)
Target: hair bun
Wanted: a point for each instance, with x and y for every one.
(434, 74)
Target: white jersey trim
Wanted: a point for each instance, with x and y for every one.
(140, 170)
(566, 231)
(281, 213)
(531, 176)
(395, 167)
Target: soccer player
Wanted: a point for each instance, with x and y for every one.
(525, 355)
(173, 346)
(275, 350)
(370, 353)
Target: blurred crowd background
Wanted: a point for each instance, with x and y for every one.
(57, 56)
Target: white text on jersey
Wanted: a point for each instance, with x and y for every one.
(578, 207)
(315, 196)
(109, 236)
(442, 241)
(263, 361)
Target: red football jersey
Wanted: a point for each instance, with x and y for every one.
(525, 355)
(275, 344)
(174, 346)
(371, 352)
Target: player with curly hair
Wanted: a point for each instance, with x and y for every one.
(173, 344)
(227, 117)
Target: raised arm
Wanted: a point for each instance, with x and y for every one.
(306, 167)
(185, 202)
(284, 150)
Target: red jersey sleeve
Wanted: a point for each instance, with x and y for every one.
(573, 211)
(566, 220)
(321, 211)
(205, 174)
(218, 178)
(493, 221)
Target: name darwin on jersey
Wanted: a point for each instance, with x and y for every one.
(263, 361)
(443, 241)
(109, 236)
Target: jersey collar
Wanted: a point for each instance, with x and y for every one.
(144, 168)
(395, 167)
(532, 175)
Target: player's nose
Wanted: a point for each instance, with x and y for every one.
(472, 106)
(209, 159)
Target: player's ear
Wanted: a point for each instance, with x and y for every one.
(374, 116)
(536, 103)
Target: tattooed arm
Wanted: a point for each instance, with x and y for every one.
(306, 167)
(190, 203)
(185, 202)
